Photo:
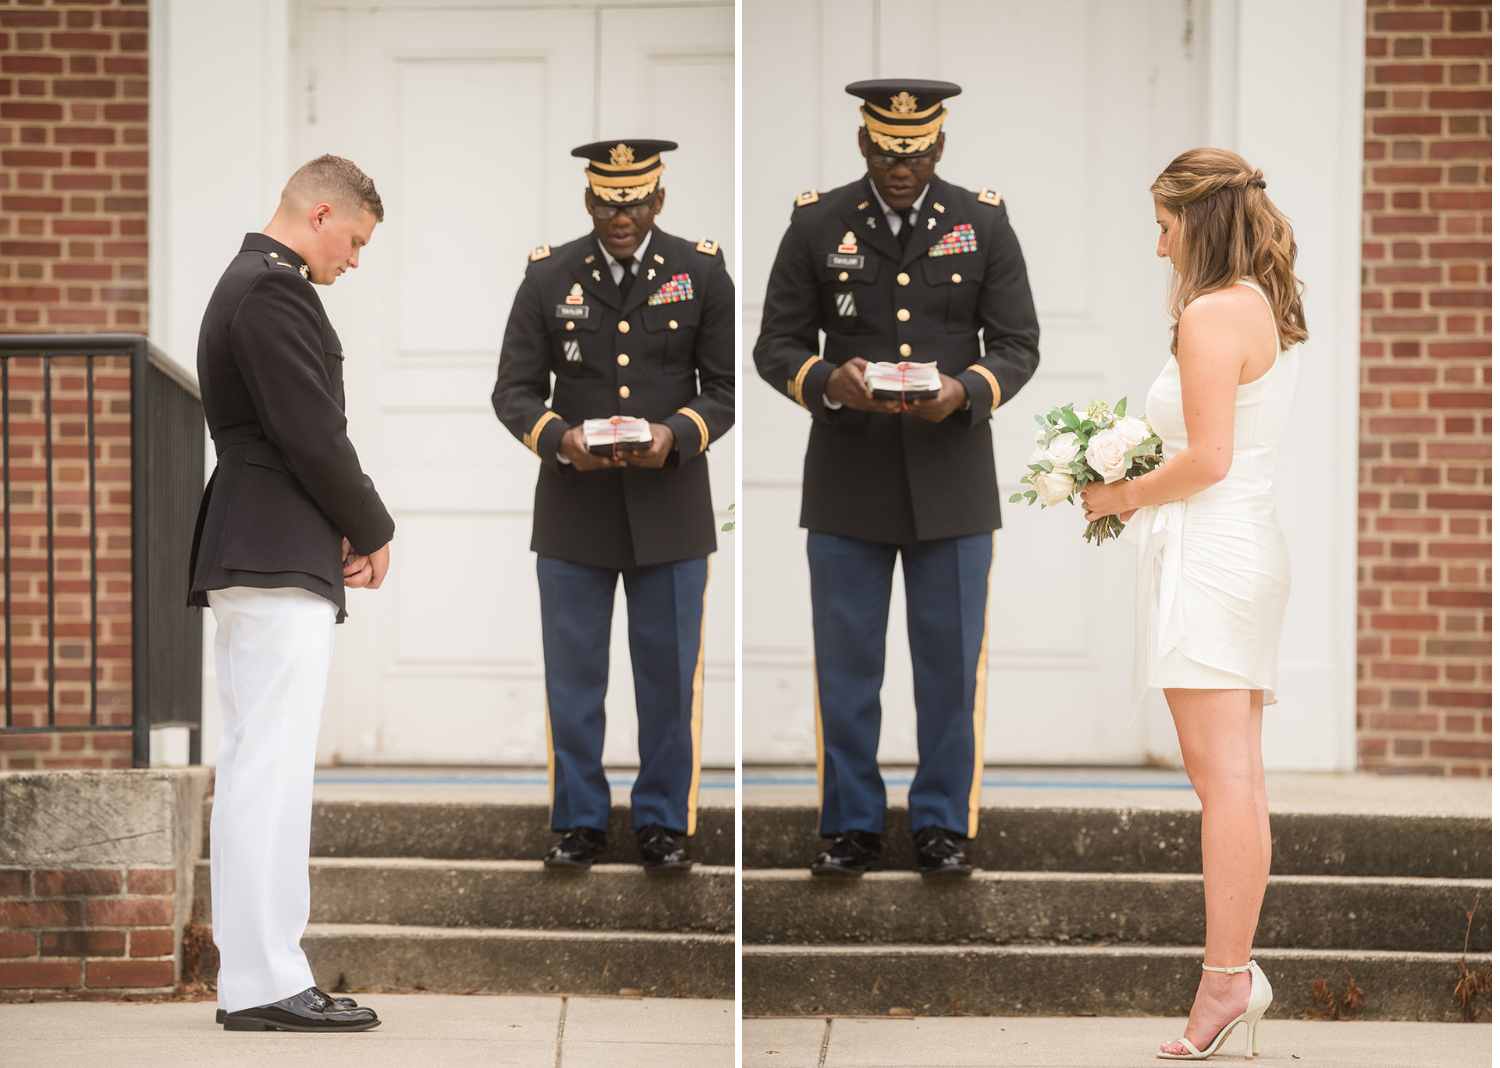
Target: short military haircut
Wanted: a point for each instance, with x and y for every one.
(337, 181)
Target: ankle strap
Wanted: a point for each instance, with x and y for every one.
(1228, 971)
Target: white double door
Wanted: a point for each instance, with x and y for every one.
(464, 115)
(1070, 109)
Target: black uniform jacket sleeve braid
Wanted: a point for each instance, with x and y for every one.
(277, 342)
(525, 379)
(713, 356)
(1008, 319)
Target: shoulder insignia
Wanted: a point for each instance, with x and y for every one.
(300, 270)
(809, 197)
(707, 247)
(541, 253)
(989, 196)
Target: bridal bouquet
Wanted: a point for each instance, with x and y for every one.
(1072, 450)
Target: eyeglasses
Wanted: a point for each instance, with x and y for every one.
(881, 162)
(604, 210)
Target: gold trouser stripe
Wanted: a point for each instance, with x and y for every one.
(536, 431)
(984, 373)
(692, 805)
(698, 420)
(818, 731)
(802, 374)
(981, 680)
(551, 758)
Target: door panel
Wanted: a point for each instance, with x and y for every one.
(1069, 110)
(465, 119)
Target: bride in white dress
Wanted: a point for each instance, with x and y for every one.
(1212, 571)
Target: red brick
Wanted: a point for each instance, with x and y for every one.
(155, 942)
(14, 913)
(1445, 747)
(151, 881)
(39, 974)
(1387, 22)
(17, 944)
(82, 943)
(128, 973)
(74, 882)
(130, 912)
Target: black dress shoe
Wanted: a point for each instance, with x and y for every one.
(311, 1010)
(579, 848)
(939, 852)
(850, 853)
(663, 850)
(336, 1002)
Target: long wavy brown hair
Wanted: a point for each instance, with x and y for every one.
(1228, 230)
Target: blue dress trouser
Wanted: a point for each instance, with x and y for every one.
(664, 603)
(947, 601)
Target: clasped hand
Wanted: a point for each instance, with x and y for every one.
(575, 447)
(847, 386)
(366, 572)
(1106, 498)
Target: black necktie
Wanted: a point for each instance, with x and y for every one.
(903, 235)
(626, 278)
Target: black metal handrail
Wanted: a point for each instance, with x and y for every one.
(166, 481)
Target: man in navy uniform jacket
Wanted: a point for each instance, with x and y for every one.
(899, 266)
(627, 321)
(288, 519)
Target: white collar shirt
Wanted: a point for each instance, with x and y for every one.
(617, 268)
(893, 217)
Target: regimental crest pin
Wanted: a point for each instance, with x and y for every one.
(847, 246)
(575, 295)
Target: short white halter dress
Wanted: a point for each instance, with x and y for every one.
(1212, 573)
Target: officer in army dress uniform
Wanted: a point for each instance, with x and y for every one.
(899, 266)
(628, 320)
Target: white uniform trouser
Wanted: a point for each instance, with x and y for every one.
(272, 654)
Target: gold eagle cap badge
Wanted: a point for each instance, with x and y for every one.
(904, 104)
(622, 155)
(708, 247)
(541, 253)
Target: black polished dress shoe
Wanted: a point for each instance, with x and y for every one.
(850, 853)
(579, 848)
(939, 852)
(336, 1002)
(663, 850)
(311, 1010)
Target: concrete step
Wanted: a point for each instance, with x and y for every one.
(1073, 980)
(1084, 838)
(791, 907)
(447, 960)
(519, 894)
(479, 830)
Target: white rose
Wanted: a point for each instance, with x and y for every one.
(1038, 454)
(1134, 431)
(1052, 487)
(1063, 449)
(1106, 455)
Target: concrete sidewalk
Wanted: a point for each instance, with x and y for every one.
(416, 1030)
(1086, 1042)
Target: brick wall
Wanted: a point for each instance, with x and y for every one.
(1424, 506)
(91, 620)
(84, 933)
(73, 88)
(73, 255)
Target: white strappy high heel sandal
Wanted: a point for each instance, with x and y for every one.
(1260, 1000)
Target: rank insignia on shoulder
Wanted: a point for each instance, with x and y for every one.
(707, 247)
(809, 197)
(541, 253)
(575, 295)
(989, 196)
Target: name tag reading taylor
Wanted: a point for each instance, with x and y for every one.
(572, 311)
(856, 263)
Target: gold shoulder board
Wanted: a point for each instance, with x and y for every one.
(809, 197)
(542, 253)
(707, 247)
(989, 196)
